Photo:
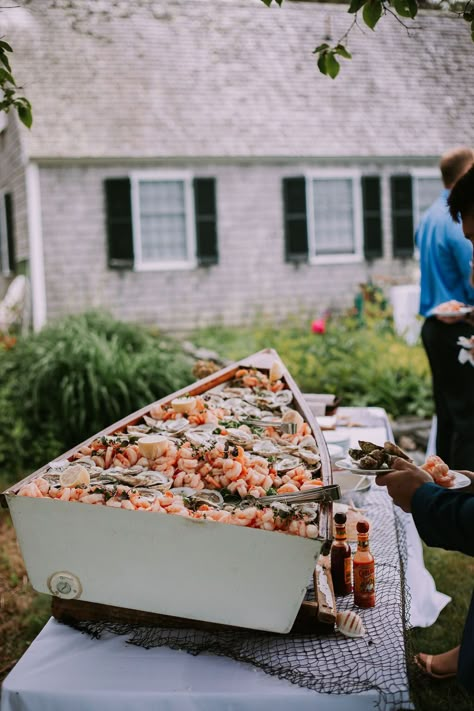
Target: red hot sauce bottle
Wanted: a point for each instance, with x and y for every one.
(364, 569)
(341, 558)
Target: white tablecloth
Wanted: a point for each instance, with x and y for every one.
(64, 669)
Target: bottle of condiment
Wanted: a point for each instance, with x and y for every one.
(364, 569)
(341, 558)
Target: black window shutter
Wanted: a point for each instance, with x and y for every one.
(206, 220)
(372, 215)
(402, 215)
(10, 232)
(118, 203)
(296, 225)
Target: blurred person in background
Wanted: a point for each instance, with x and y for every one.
(446, 270)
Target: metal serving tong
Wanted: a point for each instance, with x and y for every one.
(321, 494)
(286, 427)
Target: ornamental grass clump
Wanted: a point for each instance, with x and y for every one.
(76, 377)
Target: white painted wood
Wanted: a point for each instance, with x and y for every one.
(35, 231)
(167, 564)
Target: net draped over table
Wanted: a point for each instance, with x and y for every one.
(327, 663)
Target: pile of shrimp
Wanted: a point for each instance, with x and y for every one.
(439, 470)
(124, 497)
(252, 378)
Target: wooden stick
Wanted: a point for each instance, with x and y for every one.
(324, 590)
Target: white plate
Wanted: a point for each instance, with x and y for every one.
(463, 311)
(352, 466)
(460, 482)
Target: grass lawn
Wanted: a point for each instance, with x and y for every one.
(23, 613)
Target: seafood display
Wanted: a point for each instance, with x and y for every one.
(211, 456)
(372, 456)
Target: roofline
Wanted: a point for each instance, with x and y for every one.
(45, 161)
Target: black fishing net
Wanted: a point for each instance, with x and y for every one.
(327, 663)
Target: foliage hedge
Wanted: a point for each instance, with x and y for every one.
(364, 362)
(74, 378)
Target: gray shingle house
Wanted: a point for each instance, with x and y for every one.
(188, 163)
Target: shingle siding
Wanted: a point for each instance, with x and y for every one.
(251, 277)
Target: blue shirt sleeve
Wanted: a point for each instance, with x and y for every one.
(444, 518)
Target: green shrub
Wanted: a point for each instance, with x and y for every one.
(76, 377)
(366, 365)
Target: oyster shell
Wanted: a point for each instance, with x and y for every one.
(238, 436)
(151, 422)
(350, 624)
(308, 442)
(177, 426)
(283, 397)
(266, 448)
(199, 438)
(184, 491)
(287, 463)
(138, 430)
(309, 456)
(209, 497)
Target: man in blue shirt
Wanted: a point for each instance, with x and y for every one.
(446, 265)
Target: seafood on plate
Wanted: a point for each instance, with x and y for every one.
(198, 444)
(439, 470)
(375, 456)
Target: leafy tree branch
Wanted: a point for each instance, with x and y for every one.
(9, 97)
(372, 10)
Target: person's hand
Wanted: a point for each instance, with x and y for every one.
(403, 482)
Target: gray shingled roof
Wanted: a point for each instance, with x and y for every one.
(153, 78)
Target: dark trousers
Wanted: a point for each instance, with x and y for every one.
(453, 389)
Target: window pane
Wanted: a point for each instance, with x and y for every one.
(163, 220)
(333, 216)
(428, 190)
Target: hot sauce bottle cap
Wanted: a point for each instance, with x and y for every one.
(363, 527)
(340, 518)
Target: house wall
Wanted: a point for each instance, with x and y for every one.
(251, 277)
(12, 180)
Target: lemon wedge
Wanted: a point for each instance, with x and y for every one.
(183, 404)
(152, 446)
(76, 475)
(276, 371)
(293, 416)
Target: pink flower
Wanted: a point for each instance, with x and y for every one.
(319, 325)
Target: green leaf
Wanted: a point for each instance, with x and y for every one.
(267, 2)
(332, 65)
(372, 13)
(342, 51)
(322, 62)
(356, 5)
(25, 114)
(406, 8)
(4, 60)
(321, 48)
(6, 77)
(6, 46)
(468, 16)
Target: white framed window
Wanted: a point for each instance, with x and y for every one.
(163, 220)
(4, 251)
(334, 209)
(427, 186)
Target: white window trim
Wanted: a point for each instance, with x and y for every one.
(421, 173)
(355, 176)
(187, 178)
(5, 256)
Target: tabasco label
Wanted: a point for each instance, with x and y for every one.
(364, 584)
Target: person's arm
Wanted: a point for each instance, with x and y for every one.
(444, 518)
